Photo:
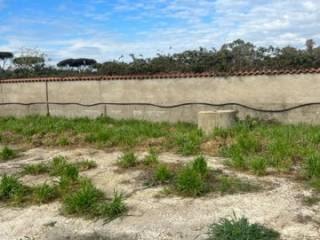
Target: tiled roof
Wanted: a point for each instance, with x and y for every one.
(162, 76)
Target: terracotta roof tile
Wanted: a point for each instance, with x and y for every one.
(163, 76)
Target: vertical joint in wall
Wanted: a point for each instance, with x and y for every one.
(47, 99)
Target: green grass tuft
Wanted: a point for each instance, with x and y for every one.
(152, 158)
(7, 154)
(44, 193)
(36, 169)
(162, 174)
(240, 229)
(258, 165)
(200, 165)
(127, 160)
(83, 201)
(113, 209)
(189, 182)
(12, 190)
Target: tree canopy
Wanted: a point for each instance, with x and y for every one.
(76, 63)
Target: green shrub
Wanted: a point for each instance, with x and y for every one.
(240, 229)
(83, 201)
(36, 169)
(152, 158)
(200, 165)
(127, 160)
(162, 174)
(189, 182)
(7, 153)
(11, 189)
(44, 193)
(258, 165)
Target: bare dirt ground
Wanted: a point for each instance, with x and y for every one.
(153, 215)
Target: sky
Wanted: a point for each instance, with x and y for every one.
(109, 29)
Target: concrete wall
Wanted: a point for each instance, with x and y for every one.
(268, 92)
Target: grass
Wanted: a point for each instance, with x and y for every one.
(102, 132)
(7, 154)
(251, 145)
(44, 193)
(128, 160)
(162, 174)
(240, 229)
(12, 190)
(189, 182)
(195, 179)
(59, 166)
(152, 158)
(78, 194)
(36, 169)
(257, 146)
(90, 202)
(83, 201)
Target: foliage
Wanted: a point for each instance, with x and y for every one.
(238, 55)
(7, 153)
(127, 160)
(44, 193)
(11, 189)
(162, 174)
(151, 158)
(189, 182)
(240, 229)
(82, 202)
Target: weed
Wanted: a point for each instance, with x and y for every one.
(44, 193)
(237, 161)
(83, 201)
(7, 153)
(200, 165)
(36, 169)
(11, 189)
(57, 166)
(152, 158)
(240, 229)
(162, 174)
(127, 160)
(258, 165)
(70, 171)
(189, 143)
(312, 166)
(113, 209)
(63, 141)
(189, 182)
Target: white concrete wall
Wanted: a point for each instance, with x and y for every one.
(269, 92)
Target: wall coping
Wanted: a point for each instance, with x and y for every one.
(162, 76)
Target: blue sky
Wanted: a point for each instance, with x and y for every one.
(107, 29)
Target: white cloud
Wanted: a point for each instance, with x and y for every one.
(180, 24)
